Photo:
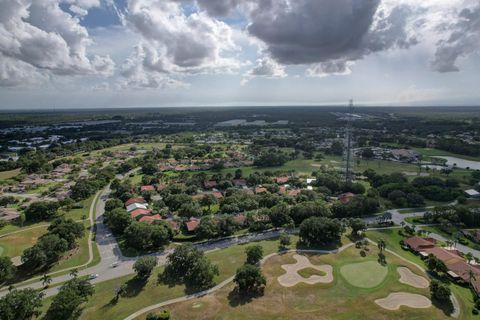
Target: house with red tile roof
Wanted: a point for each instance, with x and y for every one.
(345, 197)
(138, 213)
(240, 219)
(418, 244)
(147, 188)
(192, 224)
(135, 200)
(259, 190)
(239, 182)
(461, 269)
(161, 186)
(151, 219)
(281, 180)
(210, 184)
(293, 192)
(447, 256)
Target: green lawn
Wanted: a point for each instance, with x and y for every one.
(4, 175)
(13, 245)
(368, 274)
(78, 213)
(13, 227)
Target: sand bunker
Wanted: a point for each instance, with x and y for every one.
(292, 278)
(410, 278)
(395, 300)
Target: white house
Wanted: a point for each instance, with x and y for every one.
(472, 193)
(135, 206)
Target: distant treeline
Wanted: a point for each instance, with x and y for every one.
(459, 146)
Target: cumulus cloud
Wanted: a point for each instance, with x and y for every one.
(329, 34)
(191, 44)
(43, 36)
(218, 8)
(463, 39)
(14, 73)
(142, 70)
(303, 31)
(174, 43)
(265, 67)
(327, 68)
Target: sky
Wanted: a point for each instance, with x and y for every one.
(162, 53)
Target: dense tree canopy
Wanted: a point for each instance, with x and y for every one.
(66, 304)
(249, 279)
(22, 304)
(320, 231)
(144, 266)
(188, 265)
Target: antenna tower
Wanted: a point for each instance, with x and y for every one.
(348, 152)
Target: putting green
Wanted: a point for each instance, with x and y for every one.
(367, 274)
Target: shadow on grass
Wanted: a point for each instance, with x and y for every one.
(190, 288)
(133, 287)
(328, 246)
(446, 306)
(235, 298)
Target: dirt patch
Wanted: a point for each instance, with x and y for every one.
(410, 278)
(292, 277)
(397, 299)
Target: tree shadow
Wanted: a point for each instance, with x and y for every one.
(446, 306)
(328, 246)
(235, 298)
(190, 288)
(133, 287)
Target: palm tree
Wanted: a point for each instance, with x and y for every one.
(471, 275)
(449, 243)
(74, 273)
(469, 257)
(381, 245)
(46, 279)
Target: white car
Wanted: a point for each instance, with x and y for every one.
(115, 264)
(93, 276)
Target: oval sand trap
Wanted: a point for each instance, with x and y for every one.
(410, 278)
(368, 274)
(292, 278)
(397, 299)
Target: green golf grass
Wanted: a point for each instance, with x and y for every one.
(366, 275)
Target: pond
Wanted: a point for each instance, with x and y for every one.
(461, 163)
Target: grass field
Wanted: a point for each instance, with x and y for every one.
(4, 175)
(99, 306)
(337, 300)
(13, 245)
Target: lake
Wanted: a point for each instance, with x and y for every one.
(460, 163)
